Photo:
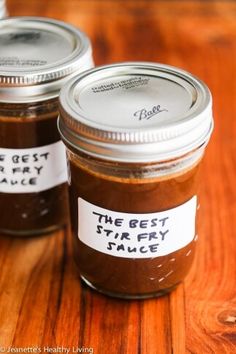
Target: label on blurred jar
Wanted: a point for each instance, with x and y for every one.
(137, 235)
(32, 170)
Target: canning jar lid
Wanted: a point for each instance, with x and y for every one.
(37, 55)
(135, 112)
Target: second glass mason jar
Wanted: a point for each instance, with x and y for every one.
(135, 135)
(37, 56)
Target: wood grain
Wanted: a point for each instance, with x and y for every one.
(42, 302)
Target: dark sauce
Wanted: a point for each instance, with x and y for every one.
(130, 277)
(24, 214)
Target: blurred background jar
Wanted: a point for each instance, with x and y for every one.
(37, 56)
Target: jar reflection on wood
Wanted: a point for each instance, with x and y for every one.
(134, 159)
(37, 56)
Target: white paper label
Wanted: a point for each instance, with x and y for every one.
(32, 170)
(137, 235)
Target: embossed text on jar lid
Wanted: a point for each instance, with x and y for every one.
(135, 112)
(36, 55)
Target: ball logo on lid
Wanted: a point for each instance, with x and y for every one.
(149, 113)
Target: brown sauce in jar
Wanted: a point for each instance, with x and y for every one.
(25, 214)
(131, 277)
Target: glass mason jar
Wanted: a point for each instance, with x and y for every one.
(134, 157)
(37, 56)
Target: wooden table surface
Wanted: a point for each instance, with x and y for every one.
(43, 306)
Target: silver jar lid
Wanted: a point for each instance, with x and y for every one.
(37, 55)
(135, 112)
